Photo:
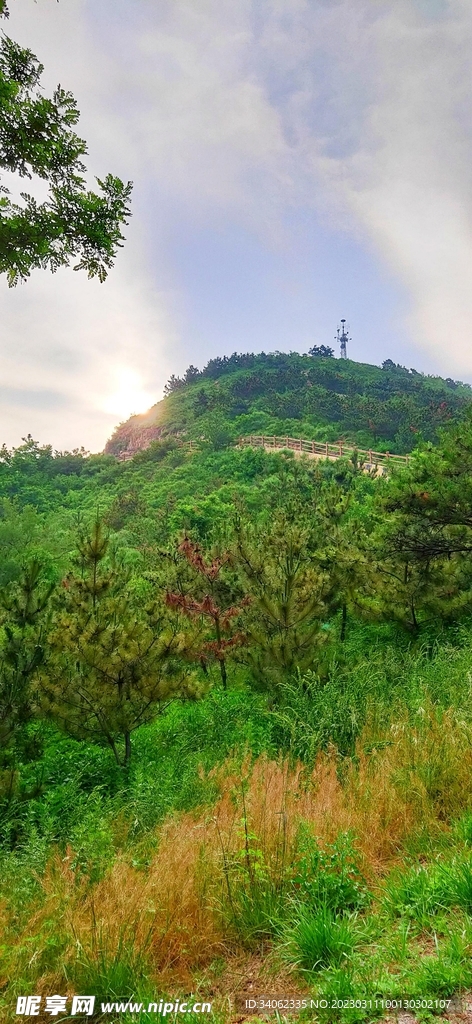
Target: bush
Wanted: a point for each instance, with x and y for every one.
(328, 877)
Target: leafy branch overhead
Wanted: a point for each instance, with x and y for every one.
(37, 138)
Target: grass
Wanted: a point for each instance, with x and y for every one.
(317, 940)
(223, 864)
(425, 891)
(111, 966)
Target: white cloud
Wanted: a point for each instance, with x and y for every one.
(204, 125)
(64, 339)
(408, 180)
(72, 337)
(243, 112)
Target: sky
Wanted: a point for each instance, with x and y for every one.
(294, 162)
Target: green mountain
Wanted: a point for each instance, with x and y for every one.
(148, 482)
(320, 398)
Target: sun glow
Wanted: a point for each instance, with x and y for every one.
(129, 396)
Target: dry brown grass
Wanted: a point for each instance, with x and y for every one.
(168, 904)
(409, 778)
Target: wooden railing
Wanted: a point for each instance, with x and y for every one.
(368, 458)
(325, 450)
(190, 446)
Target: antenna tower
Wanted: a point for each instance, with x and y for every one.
(343, 337)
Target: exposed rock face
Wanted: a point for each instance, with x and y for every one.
(135, 435)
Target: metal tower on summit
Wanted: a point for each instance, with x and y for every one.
(343, 338)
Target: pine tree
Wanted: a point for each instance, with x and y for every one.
(424, 534)
(112, 667)
(430, 503)
(340, 552)
(24, 605)
(413, 594)
(287, 593)
(413, 589)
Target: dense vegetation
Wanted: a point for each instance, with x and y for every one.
(235, 713)
(316, 397)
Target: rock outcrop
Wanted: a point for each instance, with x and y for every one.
(135, 435)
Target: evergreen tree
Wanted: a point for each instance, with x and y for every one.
(112, 667)
(173, 384)
(287, 592)
(410, 592)
(423, 539)
(430, 503)
(24, 605)
(191, 374)
(340, 551)
(321, 350)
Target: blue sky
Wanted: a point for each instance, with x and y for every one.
(294, 162)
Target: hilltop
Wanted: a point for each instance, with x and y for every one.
(147, 479)
(320, 398)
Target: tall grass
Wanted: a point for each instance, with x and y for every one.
(375, 677)
(279, 840)
(210, 858)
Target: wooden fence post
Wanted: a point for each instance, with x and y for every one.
(296, 443)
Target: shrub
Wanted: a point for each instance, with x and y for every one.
(330, 876)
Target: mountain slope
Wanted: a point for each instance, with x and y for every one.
(389, 407)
